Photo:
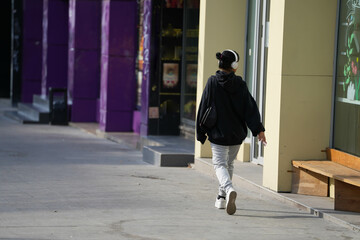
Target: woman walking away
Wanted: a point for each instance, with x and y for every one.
(228, 96)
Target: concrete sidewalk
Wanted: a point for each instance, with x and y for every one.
(246, 175)
(63, 183)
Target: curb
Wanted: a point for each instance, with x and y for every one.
(101, 134)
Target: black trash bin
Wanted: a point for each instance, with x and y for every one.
(58, 106)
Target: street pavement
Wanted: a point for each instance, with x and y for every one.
(58, 182)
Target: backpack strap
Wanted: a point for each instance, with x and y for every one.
(212, 86)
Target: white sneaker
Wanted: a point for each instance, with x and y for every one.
(220, 202)
(230, 202)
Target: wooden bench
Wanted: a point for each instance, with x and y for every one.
(312, 177)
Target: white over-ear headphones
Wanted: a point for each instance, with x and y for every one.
(234, 64)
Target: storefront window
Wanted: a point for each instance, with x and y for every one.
(189, 64)
(347, 97)
(170, 66)
(174, 40)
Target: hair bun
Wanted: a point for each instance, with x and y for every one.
(218, 55)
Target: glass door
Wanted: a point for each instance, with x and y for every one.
(256, 62)
(189, 62)
(170, 67)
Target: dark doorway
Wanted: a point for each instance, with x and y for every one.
(5, 43)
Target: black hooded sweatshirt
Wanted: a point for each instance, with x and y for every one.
(236, 110)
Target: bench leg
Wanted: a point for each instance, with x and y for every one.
(309, 183)
(347, 197)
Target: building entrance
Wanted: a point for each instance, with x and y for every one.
(256, 62)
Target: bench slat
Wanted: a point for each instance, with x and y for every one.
(343, 158)
(332, 170)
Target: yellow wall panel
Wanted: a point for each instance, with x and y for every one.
(310, 29)
(298, 95)
(222, 26)
(273, 94)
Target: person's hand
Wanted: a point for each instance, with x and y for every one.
(262, 138)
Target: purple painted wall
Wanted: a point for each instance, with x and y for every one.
(136, 121)
(54, 44)
(32, 49)
(84, 59)
(118, 55)
(145, 88)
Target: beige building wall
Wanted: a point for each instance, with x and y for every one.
(299, 85)
(222, 26)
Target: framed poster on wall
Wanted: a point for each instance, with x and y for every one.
(170, 76)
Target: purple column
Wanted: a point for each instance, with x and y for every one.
(145, 88)
(32, 48)
(55, 44)
(84, 59)
(118, 54)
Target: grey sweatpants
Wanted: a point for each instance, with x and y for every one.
(223, 161)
